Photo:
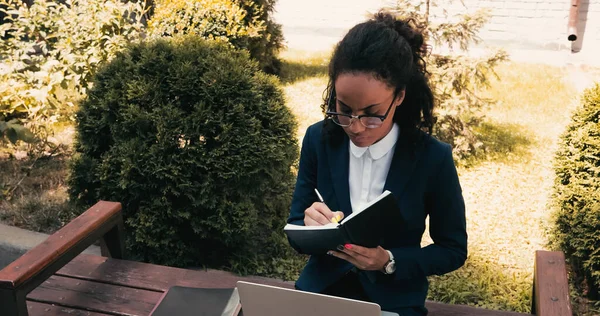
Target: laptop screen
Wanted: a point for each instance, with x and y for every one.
(266, 300)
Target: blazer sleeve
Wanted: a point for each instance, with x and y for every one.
(306, 180)
(447, 228)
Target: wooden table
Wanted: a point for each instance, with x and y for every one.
(95, 285)
(55, 279)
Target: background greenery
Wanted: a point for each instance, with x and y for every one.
(576, 229)
(505, 131)
(244, 24)
(49, 53)
(457, 81)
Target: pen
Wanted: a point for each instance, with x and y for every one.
(334, 219)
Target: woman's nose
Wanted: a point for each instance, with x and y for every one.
(356, 127)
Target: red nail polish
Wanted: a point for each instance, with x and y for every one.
(348, 246)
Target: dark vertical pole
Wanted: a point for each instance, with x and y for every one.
(112, 244)
(12, 302)
(573, 19)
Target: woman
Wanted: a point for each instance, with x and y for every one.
(376, 137)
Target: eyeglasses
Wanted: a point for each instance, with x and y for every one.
(367, 120)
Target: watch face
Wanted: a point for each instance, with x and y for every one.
(390, 268)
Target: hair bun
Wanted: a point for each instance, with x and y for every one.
(413, 36)
(406, 28)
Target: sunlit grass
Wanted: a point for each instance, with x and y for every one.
(304, 79)
(506, 193)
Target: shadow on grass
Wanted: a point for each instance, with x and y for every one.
(501, 142)
(483, 283)
(292, 71)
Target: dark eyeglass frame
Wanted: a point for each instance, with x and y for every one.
(331, 114)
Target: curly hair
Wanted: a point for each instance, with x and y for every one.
(391, 50)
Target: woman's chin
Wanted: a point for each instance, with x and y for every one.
(361, 141)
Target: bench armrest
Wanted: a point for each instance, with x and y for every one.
(102, 221)
(550, 285)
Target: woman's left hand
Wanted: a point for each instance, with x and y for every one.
(368, 259)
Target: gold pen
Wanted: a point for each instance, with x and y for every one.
(334, 219)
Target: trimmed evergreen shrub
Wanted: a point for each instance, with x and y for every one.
(245, 24)
(198, 146)
(577, 193)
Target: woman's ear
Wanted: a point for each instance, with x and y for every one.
(400, 97)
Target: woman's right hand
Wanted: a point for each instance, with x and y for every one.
(319, 214)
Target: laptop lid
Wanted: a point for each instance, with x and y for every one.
(266, 300)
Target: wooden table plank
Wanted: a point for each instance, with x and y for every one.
(36, 308)
(94, 296)
(153, 277)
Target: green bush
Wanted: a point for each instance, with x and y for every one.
(244, 24)
(577, 193)
(50, 50)
(199, 146)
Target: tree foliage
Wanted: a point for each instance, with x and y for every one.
(244, 24)
(457, 80)
(51, 49)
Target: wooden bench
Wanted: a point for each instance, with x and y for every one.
(55, 279)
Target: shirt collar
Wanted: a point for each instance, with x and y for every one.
(380, 148)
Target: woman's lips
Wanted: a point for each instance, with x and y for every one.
(358, 138)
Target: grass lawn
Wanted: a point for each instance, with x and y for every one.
(506, 192)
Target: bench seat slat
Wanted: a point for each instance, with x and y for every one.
(153, 277)
(551, 295)
(95, 296)
(36, 308)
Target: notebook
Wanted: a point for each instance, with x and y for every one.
(266, 300)
(366, 227)
(184, 301)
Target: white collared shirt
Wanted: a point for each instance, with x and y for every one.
(369, 167)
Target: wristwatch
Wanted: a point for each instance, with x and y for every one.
(390, 266)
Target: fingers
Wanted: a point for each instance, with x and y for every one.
(357, 250)
(346, 257)
(318, 214)
(308, 221)
(361, 257)
(338, 216)
(334, 217)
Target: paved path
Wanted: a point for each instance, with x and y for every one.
(16, 241)
(8, 254)
(316, 25)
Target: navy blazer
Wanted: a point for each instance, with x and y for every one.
(424, 180)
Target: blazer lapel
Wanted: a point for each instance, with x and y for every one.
(339, 164)
(403, 164)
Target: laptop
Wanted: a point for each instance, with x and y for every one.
(266, 300)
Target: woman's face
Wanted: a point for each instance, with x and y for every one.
(361, 93)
